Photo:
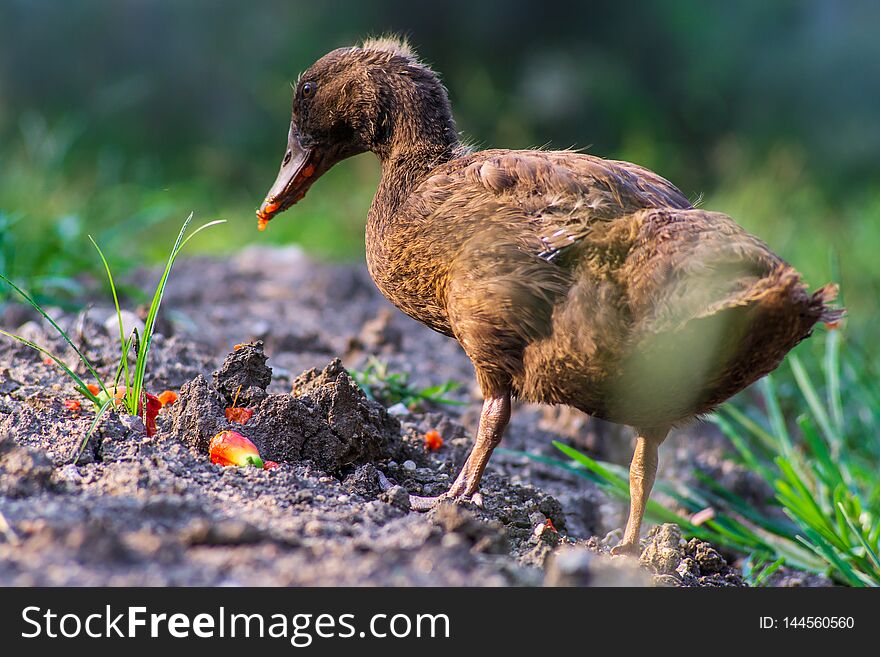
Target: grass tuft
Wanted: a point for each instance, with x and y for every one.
(130, 394)
(389, 388)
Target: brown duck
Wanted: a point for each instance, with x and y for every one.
(566, 278)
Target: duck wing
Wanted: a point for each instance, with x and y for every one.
(558, 197)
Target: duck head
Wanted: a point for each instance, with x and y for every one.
(375, 97)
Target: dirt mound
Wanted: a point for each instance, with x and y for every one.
(327, 419)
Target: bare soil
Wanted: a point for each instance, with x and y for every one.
(139, 510)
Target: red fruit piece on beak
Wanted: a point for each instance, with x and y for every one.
(231, 448)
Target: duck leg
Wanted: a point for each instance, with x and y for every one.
(642, 472)
(493, 419)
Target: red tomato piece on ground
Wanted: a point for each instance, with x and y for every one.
(231, 448)
(433, 440)
(167, 397)
(240, 415)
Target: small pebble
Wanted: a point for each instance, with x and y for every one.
(71, 473)
(537, 518)
(397, 497)
(409, 465)
(130, 322)
(398, 410)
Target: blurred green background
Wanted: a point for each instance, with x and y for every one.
(119, 118)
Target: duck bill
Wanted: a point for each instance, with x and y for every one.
(299, 169)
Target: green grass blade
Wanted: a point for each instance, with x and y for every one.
(824, 464)
(81, 385)
(832, 379)
(615, 480)
(122, 341)
(36, 306)
(777, 423)
(573, 467)
(198, 230)
(768, 570)
(871, 553)
(752, 427)
(812, 399)
(841, 568)
(742, 446)
(135, 391)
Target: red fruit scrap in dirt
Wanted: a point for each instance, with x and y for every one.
(167, 397)
(548, 524)
(48, 361)
(153, 407)
(231, 448)
(72, 405)
(433, 440)
(270, 465)
(240, 415)
(93, 388)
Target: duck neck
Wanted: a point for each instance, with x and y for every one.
(419, 134)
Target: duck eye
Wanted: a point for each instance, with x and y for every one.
(308, 90)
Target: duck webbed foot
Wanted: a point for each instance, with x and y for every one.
(493, 419)
(419, 503)
(628, 549)
(465, 488)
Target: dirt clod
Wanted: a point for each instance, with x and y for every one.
(363, 481)
(676, 562)
(198, 414)
(244, 376)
